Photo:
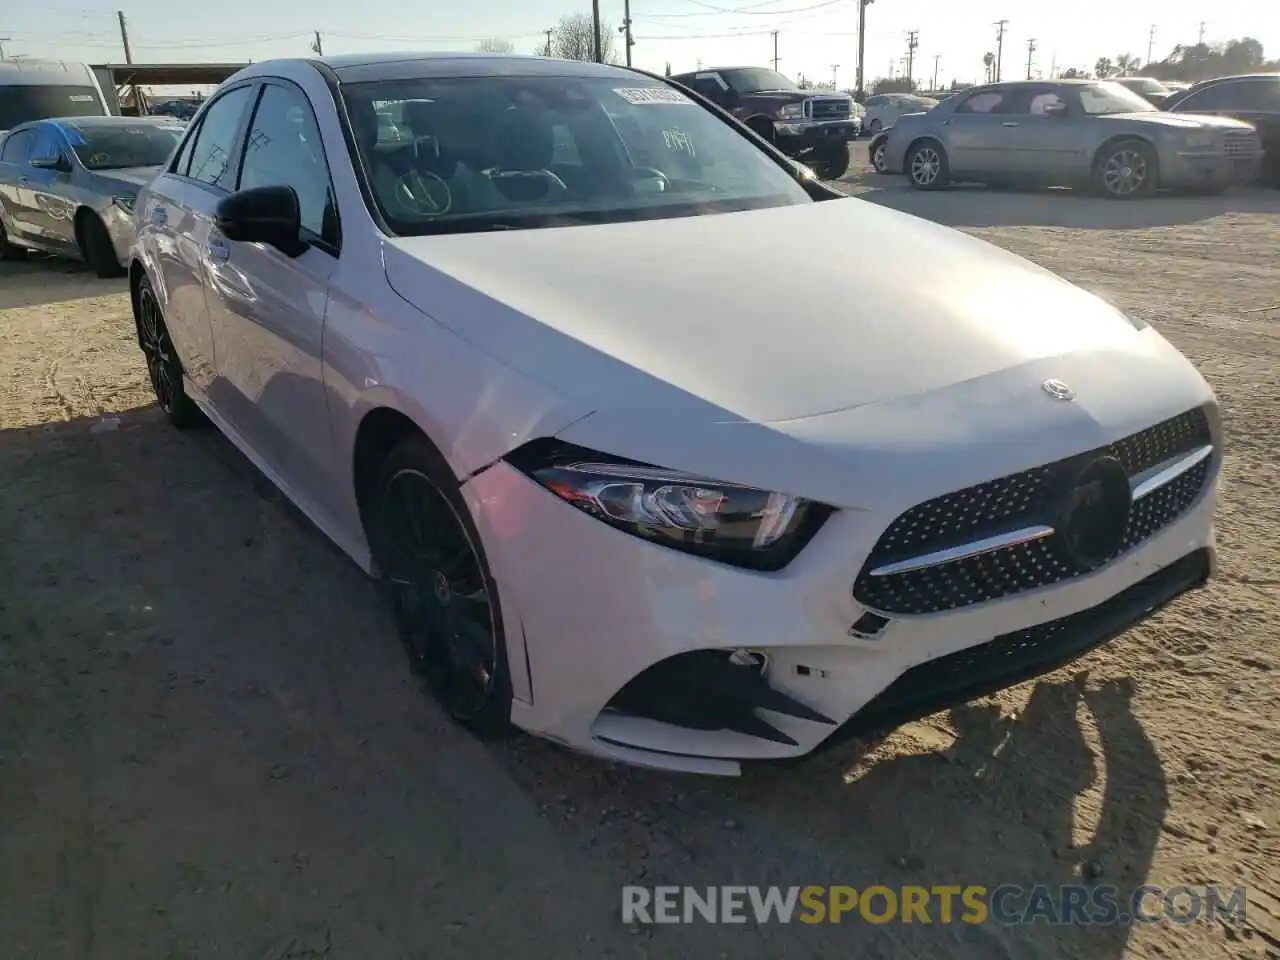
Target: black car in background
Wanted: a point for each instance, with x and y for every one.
(1253, 98)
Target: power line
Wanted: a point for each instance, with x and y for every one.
(1031, 50)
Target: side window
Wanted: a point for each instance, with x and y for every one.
(47, 142)
(183, 160)
(15, 147)
(1218, 97)
(1032, 100)
(211, 160)
(283, 147)
(1255, 95)
(987, 101)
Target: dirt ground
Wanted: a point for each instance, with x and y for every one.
(210, 746)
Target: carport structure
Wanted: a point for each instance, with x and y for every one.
(116, 77)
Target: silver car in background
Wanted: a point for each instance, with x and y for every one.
(1070, 132)
(67, 186)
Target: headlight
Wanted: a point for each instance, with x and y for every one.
(791, 111)
(125, 203)
(734, 524)
(1196, 141)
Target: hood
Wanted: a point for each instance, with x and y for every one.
(129, 179)
(750, 315)
(1178, 121)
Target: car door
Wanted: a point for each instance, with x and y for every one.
(19, 205)
(1255, 100)
(974, 136)
(50, 187)
(267, 309)
(174, 225)
(1036, 144)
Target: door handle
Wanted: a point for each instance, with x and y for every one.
(23, 179)
(1008, 123)
(159, 216)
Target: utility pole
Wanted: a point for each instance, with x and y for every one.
(124, 36)
(317, 46)
(862, 39)
(3, 41)
(936, 58)
(1000, 25)
(1201, 38)
(548, 33)
(626, 29)
(892, 62)
(1151, 42)
(834, 68)
(913, 41)
(1031, 49)
(595, 25)
(775, 50)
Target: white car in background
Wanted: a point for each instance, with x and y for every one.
(885, 108)
(564, 371)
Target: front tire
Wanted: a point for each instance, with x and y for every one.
(831, 163)
(877, 157)
(98, 248)
(927, 166)
(163, 366)
(8, 251)
(435, 575)
(1126, 170)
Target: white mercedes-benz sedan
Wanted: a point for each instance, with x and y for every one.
(563, 356)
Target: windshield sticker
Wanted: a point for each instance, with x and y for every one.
(81, 98)
(637, 96)
(679, 142)
(136, 131)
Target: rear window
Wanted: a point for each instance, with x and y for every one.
(115, 146)
(22, 103)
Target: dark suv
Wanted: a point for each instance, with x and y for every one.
(1254, 98)
(812, 126)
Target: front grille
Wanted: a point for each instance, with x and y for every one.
(1014, 657)
(1240, 143)
(832, 109)
(1015, 502)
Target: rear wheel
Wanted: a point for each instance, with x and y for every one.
(927, 166)
(437, 580)
(1126, 170)
(832, 162)
(163, 366)
(98, 248)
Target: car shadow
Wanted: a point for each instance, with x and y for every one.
(997, 806)
(977, 206)
(39, 280)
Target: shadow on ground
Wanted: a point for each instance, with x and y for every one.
(977, 206)
(211, 746)
(39, 280)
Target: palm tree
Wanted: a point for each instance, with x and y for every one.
(1127, 64)
(1104, 68)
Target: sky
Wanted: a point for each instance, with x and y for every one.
(815, 38)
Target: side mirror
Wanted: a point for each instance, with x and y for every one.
(1055, 110)
(267, 215)
(49, 163)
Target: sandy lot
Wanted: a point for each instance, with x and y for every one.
(210, 746)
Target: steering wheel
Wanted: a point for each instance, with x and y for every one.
(423, 193)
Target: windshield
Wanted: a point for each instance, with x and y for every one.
(1144, 85)
(101, 146)
(1104, 98)
(22, 103)
(497, 153)
(756, 79)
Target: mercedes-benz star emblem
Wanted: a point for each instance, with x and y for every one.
(1058, 390)
(1094, 512)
